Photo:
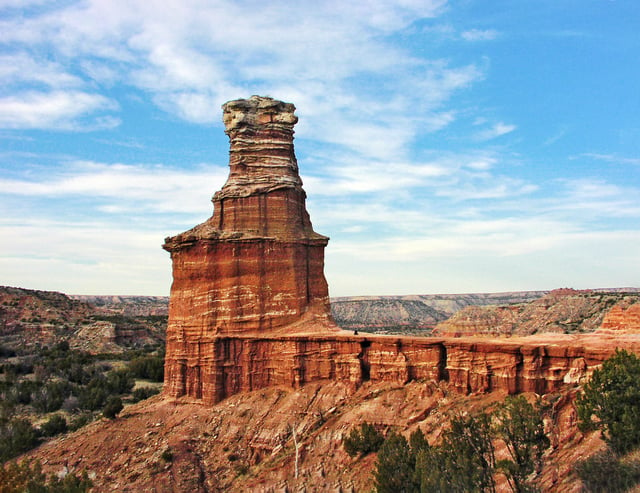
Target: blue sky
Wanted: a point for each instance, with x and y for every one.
(446, 147)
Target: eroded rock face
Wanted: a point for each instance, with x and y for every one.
(622, 318)
(256, 265)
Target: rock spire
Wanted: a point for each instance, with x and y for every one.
(256, 266)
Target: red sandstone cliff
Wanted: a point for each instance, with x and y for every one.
(624, 317)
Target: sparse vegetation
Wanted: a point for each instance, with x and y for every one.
(609, 402)
(17, 435)
(464, 459)
(113, 407)
(143, 393)
(167, 455)
(363, 440)
(396, 465)
(604, 471)
(56, 425)
(28, 477)
(75, 385)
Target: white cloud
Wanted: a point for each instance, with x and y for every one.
(612, 158)
(108, 259)
(191, 56)
(132, 189)
(497, 130)
(53, 110)
(22, 68)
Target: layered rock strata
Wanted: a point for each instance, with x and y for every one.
(622, 318)
(242, 364)
(256, 265)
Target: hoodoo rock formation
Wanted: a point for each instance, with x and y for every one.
(249, 304)
(256, 266)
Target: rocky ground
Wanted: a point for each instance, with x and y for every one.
(30, 318)
(246, 443)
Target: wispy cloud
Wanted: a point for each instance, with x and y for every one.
(612, 158)
(479, 35)
(496, 130)
(189, 57)
(55, 110)
(131, 189)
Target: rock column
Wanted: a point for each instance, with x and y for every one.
(256, 266)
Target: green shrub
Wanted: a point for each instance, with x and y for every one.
(120, 381)
(56, 425)
(167, 455)
(94, 396)
(395, 467)
(148, 367)
(17, 435)
(143, 393)
(363, 440)
(604, 471)
(113, 407)
(28, 477)
(50, 396)
(520, 426)
(81, 420)
(611, 396)
(463, 462)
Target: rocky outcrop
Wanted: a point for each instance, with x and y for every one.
(624, 317)
(563, 311)
(240, 364)
(414, 314)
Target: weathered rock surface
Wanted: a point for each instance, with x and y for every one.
(562, 311)
(624, 317)
(540, 364)
(245, 443)
(414, 314)
(256, 266)
(29, 318)
(249, 305)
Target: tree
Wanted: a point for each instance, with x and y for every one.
(54, 426)
(148, 367)
(113, 407)
(463, 462)
(604, 471)
(395, 468)
(142, 393)
(520, 426)
(17, 435)
(363, 440)
(28, 477)
(612, 397)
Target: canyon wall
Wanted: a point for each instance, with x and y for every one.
(624, 317)
(235, 364)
